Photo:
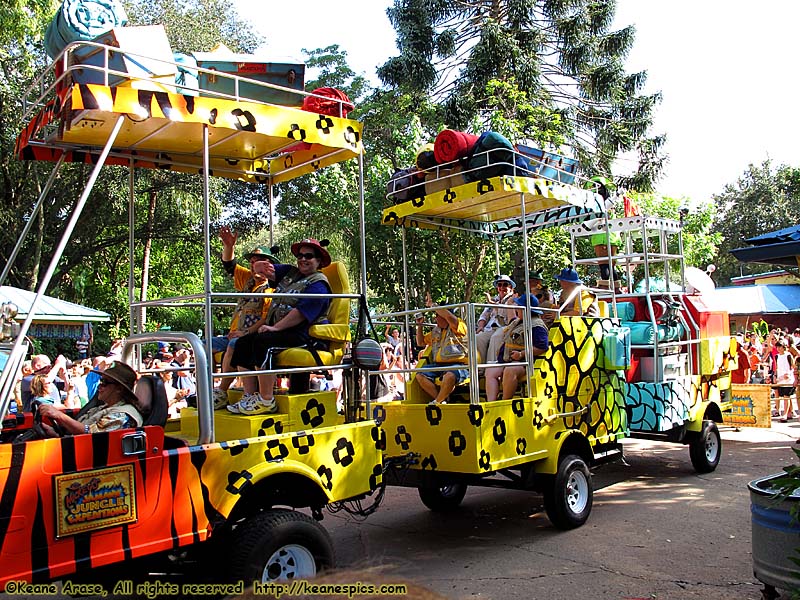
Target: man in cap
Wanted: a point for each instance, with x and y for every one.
(543, 295)
(537, 287)
(184, 379)
(116, 410)
(250, 313)
(493, 318)
(576, 299)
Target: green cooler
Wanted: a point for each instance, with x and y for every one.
(249, 66)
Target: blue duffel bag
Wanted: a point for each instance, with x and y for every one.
(82, 20)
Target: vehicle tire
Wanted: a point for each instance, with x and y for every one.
(706, 449)
(279, 545)
(444, 498)
(568, 501)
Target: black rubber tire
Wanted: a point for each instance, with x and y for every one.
(279, 545)
(706, 449)
(445, 498)
(568, 501)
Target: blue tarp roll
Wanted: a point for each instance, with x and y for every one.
(82, 20)
(642, 332)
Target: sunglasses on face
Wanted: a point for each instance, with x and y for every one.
(306, 255)
(503, 285)
(105, 382)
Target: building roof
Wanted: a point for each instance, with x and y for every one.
(50, 309)
(788, 234)
(781, 247)
(755, 299)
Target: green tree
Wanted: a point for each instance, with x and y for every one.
(94, 267)
(765, 198)
(701, 239)
(196, 25)
(561, 54)
(22, 26)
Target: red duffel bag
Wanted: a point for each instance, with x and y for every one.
(334, 102)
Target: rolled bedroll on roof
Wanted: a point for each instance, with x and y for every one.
(82, 20)
(451, 145)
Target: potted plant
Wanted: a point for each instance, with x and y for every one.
(775, 518)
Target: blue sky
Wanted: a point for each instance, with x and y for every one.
(725, 69)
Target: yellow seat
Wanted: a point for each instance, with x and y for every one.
(336, 333)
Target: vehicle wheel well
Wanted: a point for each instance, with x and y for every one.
(281, 489)
(713, 413)
(578, 445)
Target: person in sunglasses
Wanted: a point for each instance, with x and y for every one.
(116, 409)
(493, 318)
(287, 324)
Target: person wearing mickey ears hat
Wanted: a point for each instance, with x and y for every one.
(488, 334)
(250, 313)
(116, 410)
(513, 349)
(543, 294)
(576, 299)
(287, 323)
(537, 287)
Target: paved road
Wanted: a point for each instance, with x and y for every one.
(657, 530)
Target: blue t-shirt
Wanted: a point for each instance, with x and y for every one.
(540, 339)
(92, 383)
(27, 397)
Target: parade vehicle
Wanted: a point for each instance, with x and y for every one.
(682, 354)
(163, 496)
(592, 388)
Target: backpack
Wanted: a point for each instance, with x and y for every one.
(406, 184)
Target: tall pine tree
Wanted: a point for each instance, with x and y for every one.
(562, 54)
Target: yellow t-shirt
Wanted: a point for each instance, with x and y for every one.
(249, 310)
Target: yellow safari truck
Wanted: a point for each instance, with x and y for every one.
(582, 397)
(212, 490)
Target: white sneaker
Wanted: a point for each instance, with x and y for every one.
(254, 404)
(220, 398)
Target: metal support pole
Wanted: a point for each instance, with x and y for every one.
(59, 250)
(271, 209)
(135, 315)
(526, 318)
(407, 343)
(362, 224)
(204, 401)
(496, 255)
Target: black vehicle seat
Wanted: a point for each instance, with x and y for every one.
(152, 400)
